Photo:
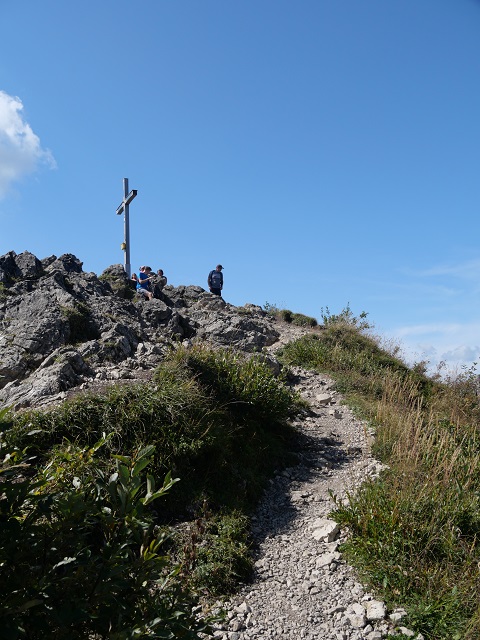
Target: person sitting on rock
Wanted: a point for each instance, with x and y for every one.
(161, 280)
(157, 284)
(143, 284)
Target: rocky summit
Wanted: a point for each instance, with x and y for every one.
(62, 328)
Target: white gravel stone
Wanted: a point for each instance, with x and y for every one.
(375, 610)
(325, 529)
(323, 398)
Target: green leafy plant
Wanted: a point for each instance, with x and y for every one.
(218, 552)
(276, 312)
(246, 383)
(270, 308)
(121, 287)
(218, 420)
(288, 316)
(80, 554)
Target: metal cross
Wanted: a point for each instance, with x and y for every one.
(124, 207)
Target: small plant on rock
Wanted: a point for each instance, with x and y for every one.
(80, 323)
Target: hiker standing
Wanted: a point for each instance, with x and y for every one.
(215, 280)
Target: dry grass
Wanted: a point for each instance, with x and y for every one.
(416, 530)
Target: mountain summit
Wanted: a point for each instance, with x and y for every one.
(64, 329)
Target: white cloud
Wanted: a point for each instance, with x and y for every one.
(462, 354)
(432, 329)
(455, 344)
(21, 153)
(467, 270)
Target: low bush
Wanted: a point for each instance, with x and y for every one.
(248, 433)
(222, 558)
(80, 554)
(212, 416)
(290, 317)
(286, 315)
(243, 384)
(81, 325)
(346, 317)
(303, 321)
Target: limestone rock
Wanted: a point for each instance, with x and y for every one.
(54, 318)
(326, 559)
(375, 610)
(323, 398)
(325, 529)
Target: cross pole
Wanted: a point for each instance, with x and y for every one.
(124, 208)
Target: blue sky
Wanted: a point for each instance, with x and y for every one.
(326, 152)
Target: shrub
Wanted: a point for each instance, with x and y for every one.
(346, 317)
(248, 434)
(289, 316)
(303, 321)
(286, 315)
(3, 292)
(271, 309)
(121, 286)
(281, 314)
(80, 555)
(222, 558)
(245, 383)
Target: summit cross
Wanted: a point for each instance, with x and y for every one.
(124, 208)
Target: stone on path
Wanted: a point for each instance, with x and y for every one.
(325, 529)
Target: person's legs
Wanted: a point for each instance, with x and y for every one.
(144, 294)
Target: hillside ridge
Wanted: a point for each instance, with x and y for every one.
(63, 329)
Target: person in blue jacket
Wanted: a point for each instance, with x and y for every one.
(143, 282)
(215, 280)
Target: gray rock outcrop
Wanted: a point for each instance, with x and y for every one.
(62, 328)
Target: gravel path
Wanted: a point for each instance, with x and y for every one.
(302, 588)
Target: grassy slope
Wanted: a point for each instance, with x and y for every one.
(218, 421)
(415, 531)
(213, 416)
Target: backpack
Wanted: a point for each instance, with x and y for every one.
(215, 279)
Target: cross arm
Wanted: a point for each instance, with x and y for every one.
(126, 201)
